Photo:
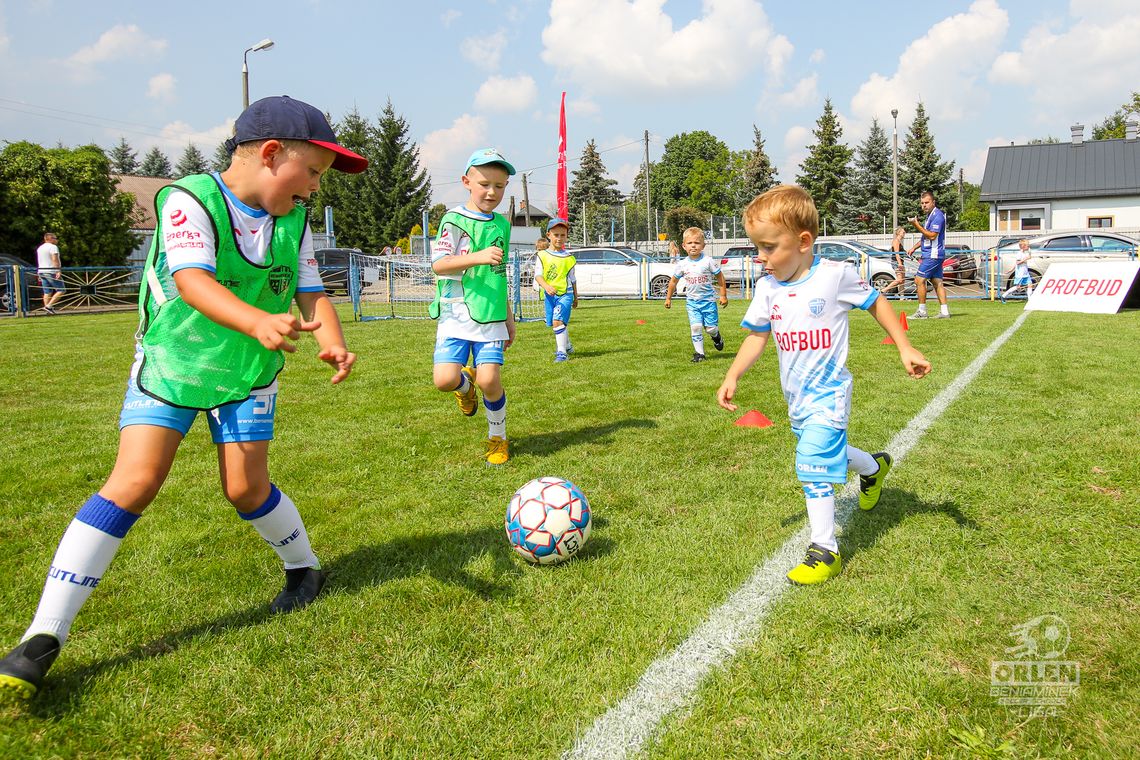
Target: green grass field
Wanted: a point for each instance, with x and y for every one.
(435, 640)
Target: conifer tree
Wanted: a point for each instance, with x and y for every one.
(401, 190)
(222, 157)
(191, 162)
(155, 164)
(347, 193)
(824, 171)
(867, 199)
(124, 160)
(921, 169)
(592, 186)
(759, 173)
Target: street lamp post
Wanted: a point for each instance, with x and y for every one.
(895, 173)
(265, 44)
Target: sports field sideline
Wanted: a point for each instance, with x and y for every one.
(435, 640)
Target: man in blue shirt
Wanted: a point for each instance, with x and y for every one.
(933, 232)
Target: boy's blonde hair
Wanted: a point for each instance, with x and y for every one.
(788, 206)
(293, 148)
(696, 232)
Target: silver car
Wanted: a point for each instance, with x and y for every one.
(875, 264)
(997, 264)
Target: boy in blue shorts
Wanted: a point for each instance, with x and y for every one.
(231, 253)
(555, 275)
(469, 258)
(802, 304)
(699, 273)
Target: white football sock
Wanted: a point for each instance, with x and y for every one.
(860, 461)
(698, 339)
(279, 523)
(82, 557)
(561, 339)
(821, 518)
(496, 416)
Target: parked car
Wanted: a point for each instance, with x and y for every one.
(8, 283)
(959, 266)
(880, 270)
(739, 261)
(333, 265)
(617, 271)
(1059, 246)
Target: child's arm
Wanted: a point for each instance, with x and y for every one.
(574, 285)
(330, 337)
(542, 283)
(510, 325)
(749, 352)
(913, 361)
(669, 292)
(202, 292)
(454, 264)
(723, 288)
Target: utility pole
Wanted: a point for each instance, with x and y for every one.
(895, 172)
(526, 201)
(584, 240)
(648, 206)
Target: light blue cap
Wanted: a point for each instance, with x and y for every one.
(488, 156)
(555, 222)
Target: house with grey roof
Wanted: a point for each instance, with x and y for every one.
(1069, 185)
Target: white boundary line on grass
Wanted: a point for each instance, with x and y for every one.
(670, 682)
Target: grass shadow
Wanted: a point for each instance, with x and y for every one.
(864, 529)
(548, 443)
(590, 354)
(443, 556)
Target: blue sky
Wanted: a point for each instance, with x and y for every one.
(468, 75)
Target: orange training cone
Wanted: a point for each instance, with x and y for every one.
(641, 321)
(887, 341)
(754, 419)
(902, 318)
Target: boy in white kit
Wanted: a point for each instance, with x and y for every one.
(699, 273)
(803, 304)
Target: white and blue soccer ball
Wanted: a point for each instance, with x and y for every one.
(548, 520)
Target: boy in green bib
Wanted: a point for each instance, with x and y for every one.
(232, 251)
(469, 258)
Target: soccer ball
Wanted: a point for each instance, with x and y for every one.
(548, 520)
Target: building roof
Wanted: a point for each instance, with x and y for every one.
(536, 214)
(1095, 168)
(144, 189)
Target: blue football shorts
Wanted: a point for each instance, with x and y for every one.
(703, 313)
(930, 269)
(248, 420)
(458, 350)
(559, 307)
(821, 454)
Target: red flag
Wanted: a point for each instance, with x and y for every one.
(563, 204)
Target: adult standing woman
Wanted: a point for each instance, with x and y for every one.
(898, 252)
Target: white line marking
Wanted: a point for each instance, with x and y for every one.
(670, 682)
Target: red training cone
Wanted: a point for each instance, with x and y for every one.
(902, 318)
(887, 341)
(641, 321)
(754, 419)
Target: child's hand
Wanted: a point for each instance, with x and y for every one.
(492, 255)
(510, 333)
(668, 303)
(723, 300)
(917, 365)
(274, 331)
(550, 291)
(725, 393)
(340, 359)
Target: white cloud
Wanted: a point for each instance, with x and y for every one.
(176, 135)
(942, 68)
(1091, 65)
(803, 94)
(449, 16)
(817, 56)
(506, 95)
(779, 52)
(118, 42)
(582, 107)
(796, 141)
(631, 46)
(484, 50)
(161, 87)
(625, 175)
(443, 151)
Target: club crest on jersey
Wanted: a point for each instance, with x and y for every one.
(279, 279)
(815, 306)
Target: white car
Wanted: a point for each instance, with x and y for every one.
(1048, 249)
(875, 264)
(615, 271)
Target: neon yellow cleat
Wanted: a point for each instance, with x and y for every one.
(497, 450)
(469, 401)
(871, 486)
(819, 565)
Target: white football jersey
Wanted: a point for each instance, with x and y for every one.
(808, 322)
(699, 276)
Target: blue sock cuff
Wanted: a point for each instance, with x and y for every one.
(559, 330)
(494, 406)
(107, 516)
(269, 505)
(817, 490)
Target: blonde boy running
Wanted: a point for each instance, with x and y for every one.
(555, 275)
(469, 258)
(699, 273)
(802, 303)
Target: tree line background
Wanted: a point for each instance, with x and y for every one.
(71, 191)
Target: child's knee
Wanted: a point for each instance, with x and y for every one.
(245, 493)
(132, 491)
(489, 379)
(445, 376)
